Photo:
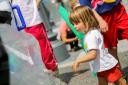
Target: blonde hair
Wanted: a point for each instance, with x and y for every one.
(84, 14)
(73, 3)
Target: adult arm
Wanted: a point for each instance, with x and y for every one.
(64, 38)
(63, 33)
(102, 23)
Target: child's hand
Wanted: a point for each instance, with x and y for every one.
(75, 66)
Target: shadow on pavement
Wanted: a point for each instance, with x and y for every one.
(67, 76)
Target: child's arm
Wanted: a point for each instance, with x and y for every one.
(91, 55)
(102, 22)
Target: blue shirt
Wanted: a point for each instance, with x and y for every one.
(99, 5)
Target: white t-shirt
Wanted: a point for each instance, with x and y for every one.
(29, 11)
(104, 61)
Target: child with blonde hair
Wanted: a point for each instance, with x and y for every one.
(114, 13)
(101, 62)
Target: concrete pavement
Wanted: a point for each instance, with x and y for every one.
(84, 77)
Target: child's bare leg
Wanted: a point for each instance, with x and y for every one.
(111, 84)
(121, 81)
(102, 81)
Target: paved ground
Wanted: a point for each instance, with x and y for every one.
(25, 73)
(84, 77)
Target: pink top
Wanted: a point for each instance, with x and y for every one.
(64, 27)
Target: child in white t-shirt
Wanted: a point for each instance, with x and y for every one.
(101, 62)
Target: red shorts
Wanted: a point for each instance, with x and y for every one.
(111, 75)
(117, 20)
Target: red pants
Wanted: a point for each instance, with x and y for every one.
(48, 57)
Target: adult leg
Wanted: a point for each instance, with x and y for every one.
(71, 35)
(76, 46)
(48, 57)
(116, 19)
(113, 51)
(121, 81)
(102, 81)
(71, 45)
(76, 43)
(122, 24)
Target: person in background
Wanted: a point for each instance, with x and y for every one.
(36, 27)
(68, 37)
(39, 32)
(101, 62)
